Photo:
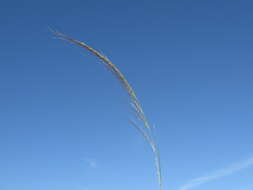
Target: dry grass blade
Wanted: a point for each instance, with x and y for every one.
(145, 129)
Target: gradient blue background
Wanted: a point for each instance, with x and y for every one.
(64, 118)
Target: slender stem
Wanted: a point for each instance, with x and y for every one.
(145, 129)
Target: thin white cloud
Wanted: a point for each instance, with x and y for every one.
(218, 174)
(91, 162)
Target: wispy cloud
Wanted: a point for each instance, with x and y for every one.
(218, 174)
(91, 162)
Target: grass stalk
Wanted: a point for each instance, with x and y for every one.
(145, 129)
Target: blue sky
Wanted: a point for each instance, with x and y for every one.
(65, 119)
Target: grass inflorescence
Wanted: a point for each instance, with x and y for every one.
(145, 129)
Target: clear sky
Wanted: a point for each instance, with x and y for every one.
(65, 119)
